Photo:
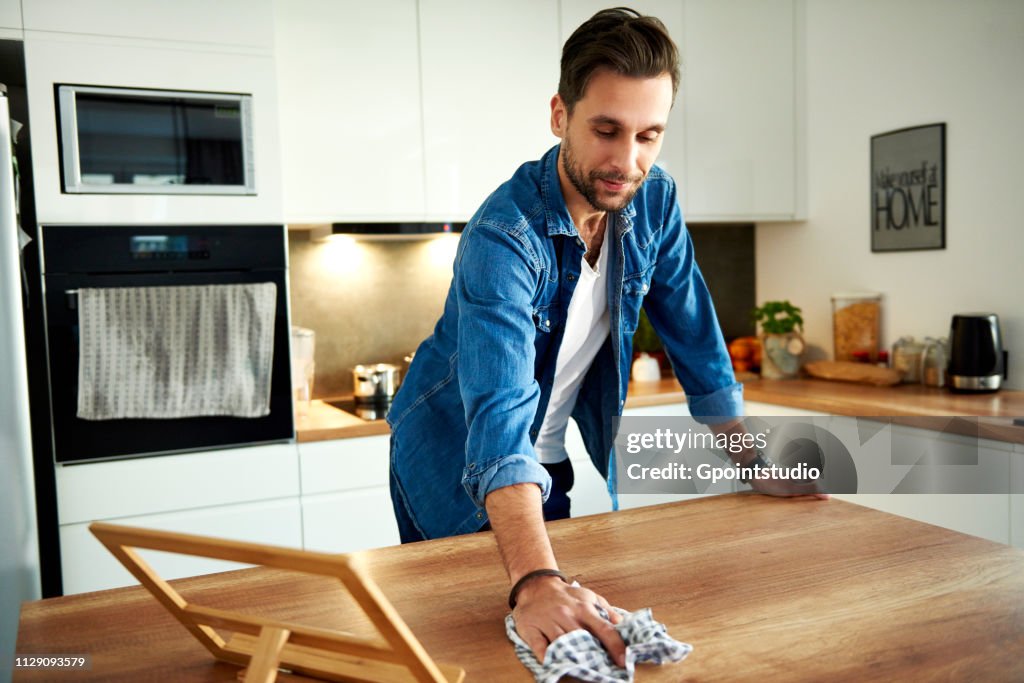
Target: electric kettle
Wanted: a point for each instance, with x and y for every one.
(977, 361)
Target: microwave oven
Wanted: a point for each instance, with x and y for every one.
(147, 141)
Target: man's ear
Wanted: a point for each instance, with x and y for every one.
(559, 116)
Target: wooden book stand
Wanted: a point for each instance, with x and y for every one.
(264, 645)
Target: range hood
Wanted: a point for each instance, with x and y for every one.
(395, 231)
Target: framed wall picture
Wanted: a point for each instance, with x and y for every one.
(908, 189)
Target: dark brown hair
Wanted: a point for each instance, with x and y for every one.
(621, 40)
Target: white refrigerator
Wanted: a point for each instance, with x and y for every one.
(19, 553)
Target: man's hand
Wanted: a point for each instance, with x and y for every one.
(790, 488)
(548, 608)
(770, 486)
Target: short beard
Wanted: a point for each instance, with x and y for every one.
(587, 185)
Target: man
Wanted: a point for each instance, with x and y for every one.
(548, 282)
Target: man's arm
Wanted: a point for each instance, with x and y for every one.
(546, 607)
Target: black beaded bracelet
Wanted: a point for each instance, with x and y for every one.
(514, 593)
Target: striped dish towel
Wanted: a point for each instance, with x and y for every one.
(169, 352)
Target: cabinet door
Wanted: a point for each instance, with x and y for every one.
(351, 125)
(349, 521)
(52, 58)
(1017, 497)
(88, 566)
(589, 494)
(488, 78)
(146, 486)
(346, 501)
(739, 96)
(344, 464)
(10, 17)
(971, 478)
(633, 500)
(224, 22)
(673, 151)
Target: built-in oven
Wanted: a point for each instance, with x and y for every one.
(147, 260)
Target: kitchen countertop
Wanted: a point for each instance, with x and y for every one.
(763, 588)
(909, 404)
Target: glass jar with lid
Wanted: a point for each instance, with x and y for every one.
(906, 359)
(856, 325)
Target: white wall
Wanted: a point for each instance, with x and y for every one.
(877, 65)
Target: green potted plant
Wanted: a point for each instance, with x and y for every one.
(781, 341)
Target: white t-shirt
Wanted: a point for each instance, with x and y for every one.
(586, 328)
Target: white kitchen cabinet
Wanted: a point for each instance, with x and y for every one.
(633, 500)
(249, 494)
(240, 23)
(10, 19)
(1017, 499)
(346, 501)
(348, 77)
(671, 12)
(143, 486)
(977, 464)
(731, 143)
(739, 95)
(486, 96)
(89, 566)
(52, 58)
(589, 493)
(756, 408)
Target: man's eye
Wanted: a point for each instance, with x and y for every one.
(649, 138)
(606, 133)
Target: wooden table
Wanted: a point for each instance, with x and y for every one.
(764, 589)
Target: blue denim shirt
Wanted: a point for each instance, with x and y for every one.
(466, 417)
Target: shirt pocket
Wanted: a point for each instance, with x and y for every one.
(634, 289)
(546, 318)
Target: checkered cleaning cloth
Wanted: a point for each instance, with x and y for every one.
(580, 654)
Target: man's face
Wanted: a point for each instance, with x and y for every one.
(613, 136)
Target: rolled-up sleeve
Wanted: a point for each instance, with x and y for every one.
(681, 311)
(495, 281)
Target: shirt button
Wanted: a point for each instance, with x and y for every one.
(571, 277)
(472, 465)
(547, 323)
(479, 515)
(644, 287)
(579, 243)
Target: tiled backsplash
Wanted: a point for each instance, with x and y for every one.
(725, 254)
(374, 302)
(368, 302)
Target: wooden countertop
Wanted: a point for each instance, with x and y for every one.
(763, 588)
(838, 398)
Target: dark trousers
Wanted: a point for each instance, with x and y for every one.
(555, 507)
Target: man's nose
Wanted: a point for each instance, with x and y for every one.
(626, 156)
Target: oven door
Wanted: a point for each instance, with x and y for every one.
(78, 440)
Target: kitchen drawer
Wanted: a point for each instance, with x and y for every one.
(349, 521)
(344, 464)
(88, 566)
(140, 486)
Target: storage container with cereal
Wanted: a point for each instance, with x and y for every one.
(856, 322)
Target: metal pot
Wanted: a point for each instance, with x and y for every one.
(376, 382)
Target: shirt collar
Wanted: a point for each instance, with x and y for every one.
(556, 213)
